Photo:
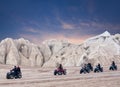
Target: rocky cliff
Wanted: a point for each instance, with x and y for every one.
(102, 48)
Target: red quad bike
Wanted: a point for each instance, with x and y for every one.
(60, 72)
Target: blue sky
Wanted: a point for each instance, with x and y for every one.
(74, 20)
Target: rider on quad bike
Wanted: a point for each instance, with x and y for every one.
(14, 73)
(60, 70)
(86, 68)
(113, 66)
(98, 68)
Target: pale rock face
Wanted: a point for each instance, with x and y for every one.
(45, 51)
(36, 57)
(55, 45)
(10, 52)
(103, 49)
(20, 52)
(3, 53)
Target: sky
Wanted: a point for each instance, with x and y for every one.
(72, 20)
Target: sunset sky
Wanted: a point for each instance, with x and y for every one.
(74, 20)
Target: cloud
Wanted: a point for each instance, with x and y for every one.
(84, 24)
(90, 24)
(67, 26)
(98, 26)
(31, 30)
(71, 31)
(38, 40)
(42, 36)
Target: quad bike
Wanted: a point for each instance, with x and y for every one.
(98, 69)
(86, 69)
(11, 75)
(90, 67)
(60, 72)
(113, 67)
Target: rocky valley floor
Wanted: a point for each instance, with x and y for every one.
(43, 77)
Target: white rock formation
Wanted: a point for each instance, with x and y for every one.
(103, 49)
(20, 52)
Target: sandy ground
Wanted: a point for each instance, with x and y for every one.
(43, 77)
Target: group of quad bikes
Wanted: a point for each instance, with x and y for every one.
(87, 68)
(15, 73)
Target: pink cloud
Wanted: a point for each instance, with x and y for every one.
(37, 39)
(65, 25)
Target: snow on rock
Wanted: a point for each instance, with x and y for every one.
(102, 48)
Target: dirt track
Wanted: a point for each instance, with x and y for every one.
(43, 77)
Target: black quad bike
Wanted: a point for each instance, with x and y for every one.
(113, 67)
(12, 75)
(86, 69)
(98, 69)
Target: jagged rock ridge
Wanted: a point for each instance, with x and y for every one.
(102, 48)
